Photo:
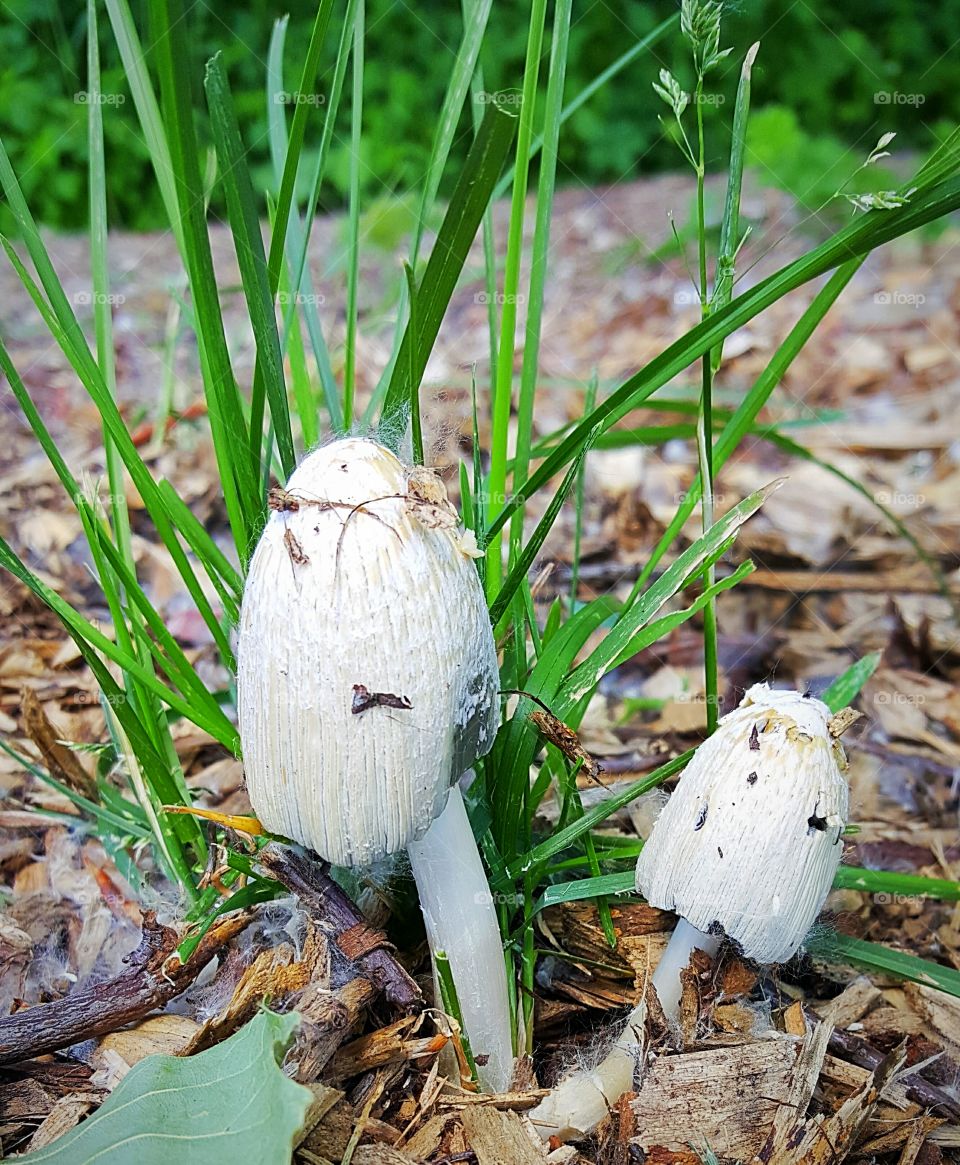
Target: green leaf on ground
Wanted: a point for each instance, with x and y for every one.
(231, 1102)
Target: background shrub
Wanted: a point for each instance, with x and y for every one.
(830, 78)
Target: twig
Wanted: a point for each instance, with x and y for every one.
(307, 877)
(154, 977)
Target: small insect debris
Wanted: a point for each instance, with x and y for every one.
(566, 740)
(427, 500)
(363, 699)
(281, 501)
(754, 739)
(297, 554)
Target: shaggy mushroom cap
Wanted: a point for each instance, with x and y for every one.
(750, 842)
(367, 672)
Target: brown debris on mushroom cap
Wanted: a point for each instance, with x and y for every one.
(752, 837)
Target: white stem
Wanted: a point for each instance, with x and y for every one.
(578, 1103)
(461, 921)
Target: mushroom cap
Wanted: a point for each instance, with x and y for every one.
(751, 840)
(360, 588)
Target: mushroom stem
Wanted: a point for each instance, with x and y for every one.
(578, 1104)
(461, 920)
(685, 939)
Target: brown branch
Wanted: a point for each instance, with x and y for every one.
(307, 877)
(154, 977)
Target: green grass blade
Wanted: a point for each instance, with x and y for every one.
(841, 948)
(301, 288)
(467, 204)
(610, 652)
(298, 130)
(730, 225)
(476, 16)
(416, 428)
(248, 241)
(742, 420)
(896, 885)
(846, 687)
(518, 572)
(353, 219)
(508, 770)
(90, 639)
(502, 389)
(848, 878)
(148, 112)
(113, 424)
(232, 441)
(566, 837)
(625, 59)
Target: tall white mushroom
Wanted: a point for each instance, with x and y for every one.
(746, 848)
(367, 685)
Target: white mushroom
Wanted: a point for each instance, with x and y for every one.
(746, 848)
(367, 684)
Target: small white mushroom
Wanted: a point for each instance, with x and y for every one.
(746, 848)
(367, 684)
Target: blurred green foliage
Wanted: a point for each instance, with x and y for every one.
(830, 78)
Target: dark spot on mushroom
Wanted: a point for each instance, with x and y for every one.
(716, 929)
(754, 739)
(814, 822)
(808, 695)
(701, 817)
(720, 851)
(751, 778)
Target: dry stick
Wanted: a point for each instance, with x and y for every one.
(153, 978)
(307, 877)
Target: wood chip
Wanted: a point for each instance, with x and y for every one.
(65, 1115)
(828, 1140)
(730, 1095)
(500, 1137)
(852, 1004)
